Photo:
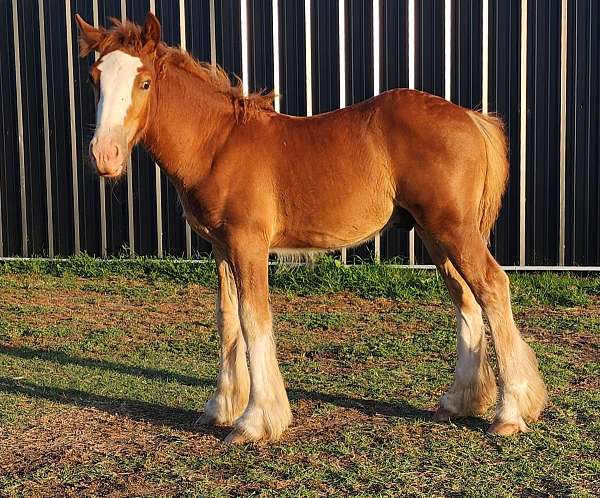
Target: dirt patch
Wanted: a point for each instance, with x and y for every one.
(87, 438)
(548, 326)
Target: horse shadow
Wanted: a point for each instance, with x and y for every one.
(182, 418)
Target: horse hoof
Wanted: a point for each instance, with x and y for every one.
(443, 415)
(204, 420)
(507, 428)
(237, 437)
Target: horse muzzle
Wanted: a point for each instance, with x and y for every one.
(108, 153)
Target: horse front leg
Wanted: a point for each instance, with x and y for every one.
(233, 383)
(268, 412)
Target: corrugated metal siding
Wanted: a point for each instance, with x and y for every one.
(394, 74)
(9, 168)
(542, 179)
(583, 134)
(543, 126)
(504, 47)
(292, 57)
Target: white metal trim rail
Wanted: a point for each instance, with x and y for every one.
(158, 187)
(523, 133)
(376, 88)
(276, 82)
(563, 130)
(73, 125)
(21, 144)
(46, 127)
(342, 64)
(130, 217)
(102, 181)
(188, 228)
(308, 56)
(411, 84)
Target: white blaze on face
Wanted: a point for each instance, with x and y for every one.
(117, 75)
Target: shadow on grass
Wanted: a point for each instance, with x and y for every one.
(178, 418)
(181, 418)
(65, 359)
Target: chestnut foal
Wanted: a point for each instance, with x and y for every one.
(252, 181)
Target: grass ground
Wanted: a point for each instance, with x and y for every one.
(105, 366)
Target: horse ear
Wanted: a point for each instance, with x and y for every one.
(89, 36)
(150, 33)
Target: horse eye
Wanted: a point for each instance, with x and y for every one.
(145, 85)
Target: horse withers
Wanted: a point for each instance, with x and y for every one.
(252, 181)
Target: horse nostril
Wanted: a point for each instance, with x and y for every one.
(117, 150)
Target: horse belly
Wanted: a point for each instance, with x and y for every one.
(346, 224)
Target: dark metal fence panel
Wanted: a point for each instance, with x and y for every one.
(583, 134)
(429, 65)
(197, 21)
(31, 94)
(144, 189)
(394, 74)
(359, 78)
(9, 165)
(540, 72)
(543, 126)
(88, 184)
(174, 226)
(260, 36)
(292, 57)
(60, 128)
(117, 224)
(504, 74)
(325, 56)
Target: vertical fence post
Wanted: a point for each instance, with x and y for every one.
(157, 187)
(48, 170)
(244, 40)
(308, 58)
(523, 133)
(182, 37)
(21, 144)
(73, 125)
(342, 57)
(563, 131)
(411, 84)
(130, 220)
(448, 49)
(213, 32)
(102, 181)
(484, 55)
(376, 69)
(276, 55)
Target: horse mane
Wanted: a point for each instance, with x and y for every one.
(127, 36)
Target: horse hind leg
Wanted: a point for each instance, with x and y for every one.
(474, 388)
(523, 393)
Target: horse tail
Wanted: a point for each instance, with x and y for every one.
(496, 171)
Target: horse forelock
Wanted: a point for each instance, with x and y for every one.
(127, 37)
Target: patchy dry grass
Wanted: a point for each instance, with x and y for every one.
(103, 375)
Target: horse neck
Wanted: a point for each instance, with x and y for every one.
(189, 122)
